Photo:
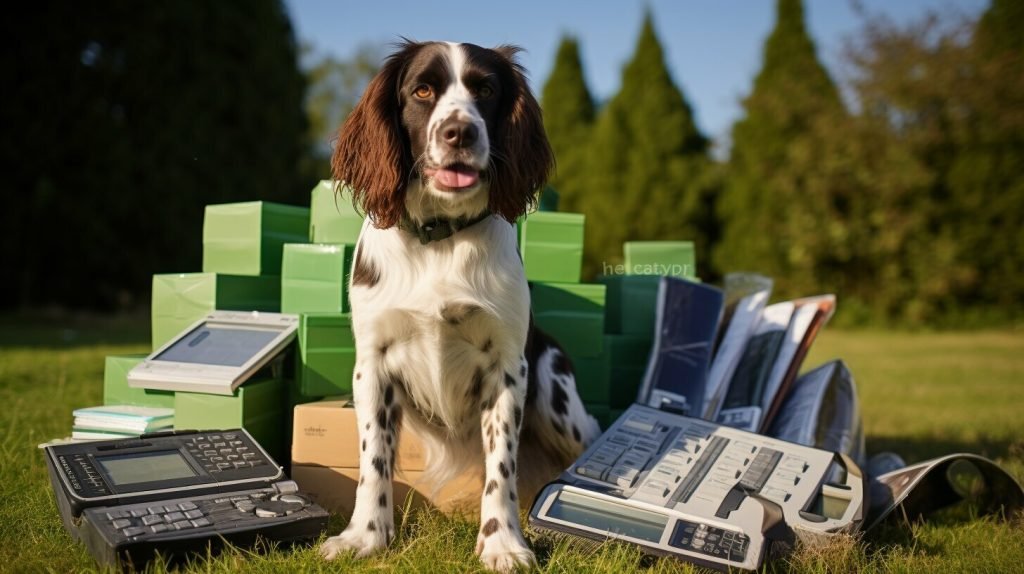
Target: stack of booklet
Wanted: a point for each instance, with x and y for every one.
(119, 421)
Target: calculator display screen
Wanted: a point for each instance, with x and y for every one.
(607, 516)
(148, 467)
(219, 345)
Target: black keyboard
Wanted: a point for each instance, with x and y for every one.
(131, 533)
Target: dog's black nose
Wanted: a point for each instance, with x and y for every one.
(458, 133)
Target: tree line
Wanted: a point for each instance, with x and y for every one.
(907, 201)
(905, 197)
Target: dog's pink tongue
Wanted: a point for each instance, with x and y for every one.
(456, 178)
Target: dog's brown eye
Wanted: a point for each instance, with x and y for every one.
(423, 92)
(484, 92)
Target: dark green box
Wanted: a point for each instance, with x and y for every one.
(259, 406)
(181, 299)
(593, 377)
(552, 246)
(332, 218)
(631, 302)
(314, 278)
(117, 392)
(572, 313)
(604, 414)
(672, 258)
(327, 354)
(246, 238)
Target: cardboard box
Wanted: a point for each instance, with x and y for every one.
(260, 406)
(247, 238)
(630, 303)
(332, 218)
(314, 277)
(672, 258)
(325, 461)
(551, 244)
(181, 299)
(572, 313)
(326, 355)
(335, 489)
(117, 392)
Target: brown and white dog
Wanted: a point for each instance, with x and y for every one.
(444, 151)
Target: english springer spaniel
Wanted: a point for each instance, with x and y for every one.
(444, 151)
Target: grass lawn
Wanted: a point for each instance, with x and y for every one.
(922, 395)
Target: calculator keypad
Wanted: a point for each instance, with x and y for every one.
(222, 452)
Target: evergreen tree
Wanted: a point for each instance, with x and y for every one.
(568, 115)
(773, 221)
(647, 163)
(986, 176)
(124, 122)
(949, 94)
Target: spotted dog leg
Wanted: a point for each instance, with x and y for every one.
(379, 415)
(500, 543)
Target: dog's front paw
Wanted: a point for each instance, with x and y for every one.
(364, 541)
(504, 551)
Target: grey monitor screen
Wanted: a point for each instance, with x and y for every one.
(223, 346)
(148, 467)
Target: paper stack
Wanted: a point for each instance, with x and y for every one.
(119, 421)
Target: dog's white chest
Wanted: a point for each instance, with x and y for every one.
(441, 313)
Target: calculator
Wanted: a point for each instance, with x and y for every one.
(176, 492)
(709, 494)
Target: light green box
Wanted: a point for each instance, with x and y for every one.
(327, 354)
(247, 238)
(630, 303)
(572, 313)
(259, 406)
(314, 278)
(181, 299)
(332, 218)
(552, 246)
(117, 392)
(672, 258)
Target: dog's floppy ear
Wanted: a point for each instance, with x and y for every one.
(521, 159)
(372, 155)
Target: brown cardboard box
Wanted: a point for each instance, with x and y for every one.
(325, 462)
(326, 434)
(335, 489)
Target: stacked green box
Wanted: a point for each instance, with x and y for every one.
(593, 378)
(247, 238)
(259, 406)
(181, 299)
(117, 392)
(631, 303)
(627, 359)
(326, 356)
(332, 219)
(551, 244)
(604, 414)
(671, 258)
(314, 278)
(572, 313)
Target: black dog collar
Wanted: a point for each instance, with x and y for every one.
(440, 227)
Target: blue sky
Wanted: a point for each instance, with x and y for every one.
(713, 47)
